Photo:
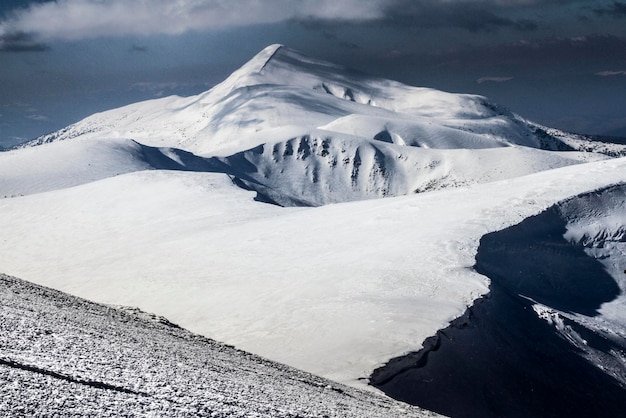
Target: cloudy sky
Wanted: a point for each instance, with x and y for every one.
(558, 62)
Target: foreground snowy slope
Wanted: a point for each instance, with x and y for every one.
(336, 290)
(65, 356)
(305, 132)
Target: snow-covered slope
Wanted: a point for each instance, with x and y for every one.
(555, 313)
(63, 356)
(309, 170)
(355, 137)
(319, 169)
(336, 290)
(597, 221)
(70, 163)
(56, 166)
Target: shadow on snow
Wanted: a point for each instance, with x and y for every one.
(500, 359)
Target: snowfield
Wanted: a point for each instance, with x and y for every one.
(162, 205)
(336, 290)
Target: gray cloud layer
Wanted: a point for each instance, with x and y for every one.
(80, 19)
(474, 16)
(617, 10)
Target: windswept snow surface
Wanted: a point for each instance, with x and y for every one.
(336, 290)
(61, 165)
(63, 356)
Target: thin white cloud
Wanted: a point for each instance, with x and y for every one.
(148, 85)
(610, 73)
(493, 79)
(156, 89)
(39, 118)
(78, 19)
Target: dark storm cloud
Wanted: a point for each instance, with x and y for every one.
(345, 44)
(477, 16)
(571, 54)
(20, 42)
(471, 16)
(616, 10)
(8, 7)
(551, 57)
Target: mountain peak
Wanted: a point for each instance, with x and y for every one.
(257, 63)
(248, 72)
(272, 48)
(276, 61)
(270, 52)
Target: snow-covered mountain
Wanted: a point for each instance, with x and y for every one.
(159, 205)
(305, 132)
